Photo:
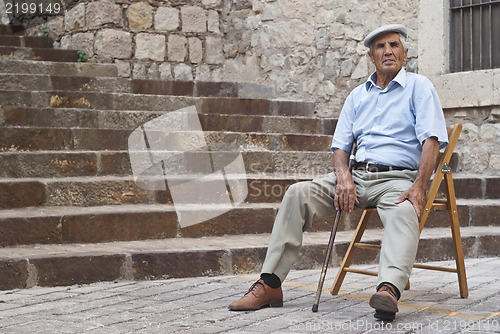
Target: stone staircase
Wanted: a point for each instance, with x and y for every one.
(72, 213)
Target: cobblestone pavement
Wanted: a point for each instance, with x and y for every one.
(199, 305)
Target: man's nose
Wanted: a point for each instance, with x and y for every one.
(387, 49)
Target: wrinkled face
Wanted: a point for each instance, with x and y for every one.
(387, 53)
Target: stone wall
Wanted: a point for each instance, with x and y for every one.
(308, 50)
(479, 141)
(146, 39)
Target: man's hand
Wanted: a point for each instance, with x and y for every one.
(416, 195)
(345, 191)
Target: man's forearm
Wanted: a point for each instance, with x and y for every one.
(340, 162)
(430, 151)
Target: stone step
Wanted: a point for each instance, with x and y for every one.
(124, 101)
(12, 29)
(69, 264)
(29, 82)
(16, 66)
(33, 53)
(203, 88)
(18, 164)
(53, 139)
(38, 82)
(26, 41)
(13, 116)
(127, 222)
(115, 190)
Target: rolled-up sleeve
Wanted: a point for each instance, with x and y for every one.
(430, 121)
(343, 136)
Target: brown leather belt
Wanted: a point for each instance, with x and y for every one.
(374, 168)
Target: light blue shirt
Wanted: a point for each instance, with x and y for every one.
(391, 124)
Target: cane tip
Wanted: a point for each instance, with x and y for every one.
(315, 308)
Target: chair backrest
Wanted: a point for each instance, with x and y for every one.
(442, 169)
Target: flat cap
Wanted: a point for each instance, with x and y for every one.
(399, 28)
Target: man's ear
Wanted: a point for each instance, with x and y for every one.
(371, 57)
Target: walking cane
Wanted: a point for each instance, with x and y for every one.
(332, 239)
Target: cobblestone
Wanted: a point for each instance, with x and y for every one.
(199, 305)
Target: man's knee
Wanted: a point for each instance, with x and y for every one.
(406, 210)
(299, 189)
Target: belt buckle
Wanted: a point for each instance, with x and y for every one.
(367, 167)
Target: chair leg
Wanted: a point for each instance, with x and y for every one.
(455, 233)
(350, 252)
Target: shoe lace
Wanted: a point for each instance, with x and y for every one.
(254, 286)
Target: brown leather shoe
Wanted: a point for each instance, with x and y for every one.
(385, 303)
(259, 295)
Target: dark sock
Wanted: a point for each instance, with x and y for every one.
(392, 285)
(271, 279)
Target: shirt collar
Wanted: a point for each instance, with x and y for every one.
(400, 78)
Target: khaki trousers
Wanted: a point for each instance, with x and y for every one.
(306, 201)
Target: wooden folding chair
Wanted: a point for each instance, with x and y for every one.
(443, 171)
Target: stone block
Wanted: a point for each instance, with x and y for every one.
(293, 108)
(236, 106)
(103, 12)
(19, 139)
(234, 222)
(95, 193)
(123, 68)
(245, 260)
(182, 264)
(54, 55)
(214, 122)
(465, 188)
(493, 188)
(150, 46)
(255, 91)
(442, 218)
(195, 50)
(177, 48)
(16, 231)
(14, 274)
(213, 21)
(485, 215)
(115, 163)
(79, 41)
(167, 19)
(48, 165)
(177, 88)
(211, 2)
(305, 143)
(213, 50)
(221, 89)
(70, 270)
(140, 16)
(183, 72)
(489, 246)
(194, 19)
(96, 140)
(75, 18)
(165, 71)
(113, 44)
(21, 194)
(118, 227)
